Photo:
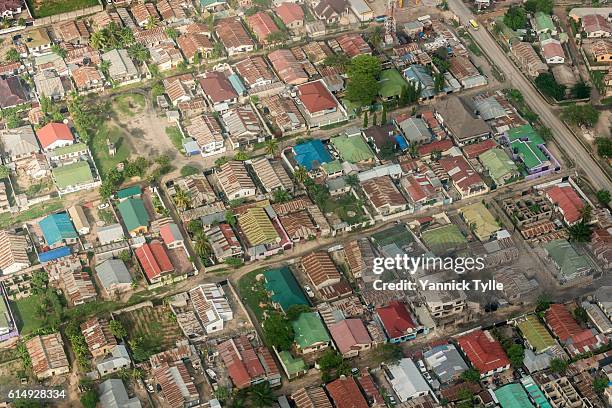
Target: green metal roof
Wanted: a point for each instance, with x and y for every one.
(353, 149)
(536, 334)
(442, 239)
(332, 167)
(309, 330)
(391, 83)
(525, 141)
(570, 263)
(284, 288)
(73, 148)
(292, 364)
(129, 192)
(72, 174)
(498, 164)
(133, 213)
(513, 396)
(543, 22)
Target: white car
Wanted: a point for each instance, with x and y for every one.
(421, 366)
(309, 291)
(102, 206)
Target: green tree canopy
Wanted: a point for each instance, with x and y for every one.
(278, 332)
(547, 84)
(515, 17)
(580, 115)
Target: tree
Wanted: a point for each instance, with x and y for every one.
(365, 64)
(295, 311)
(182, 198)
(516, 353)
(387, 150)
(543, 302)
(581, 90)
(515, 17)
(603, 196)
(188, 170)
(545, 6)
(548, 85)
(261, 395)
(332, 365)
(604, 146)
(241, 155)
(580, 115)
(580, 232)
(600, 384)
(362, 89)
(281, 196)
(558, 365)
(117, 329)
(301, 174)
(202, 245)
(90, 399)
(337, 60)
(61, 52)
(375, 119)
(545, 133)
(125, 256)
(365, 120)
(272, 147)
(12, 55)
(221, 161)
(376, 36)
(230, 218)
(278, 332)
(383, 116)
(388, 353)
(581, 315)
(352, 180)
(150, 23)
(471, 375)
(139, 53)
(98, 40)
(172, 33)
(439, 82)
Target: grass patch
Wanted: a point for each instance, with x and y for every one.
(346, 207)
(391, 83)
(36, 211)
(607, 101)
(156, 323)
(129, 104)
(175, 136)
(25, 313)
(254, 294)
(46, 8)
(99, 149)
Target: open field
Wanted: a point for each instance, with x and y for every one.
(153, 323)
(346, 208)
(99, 149)
(442, 239)
(33, 212)
(25, 314)
(129, 104)
(254, 294)
(46, 8)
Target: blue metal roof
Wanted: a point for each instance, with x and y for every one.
(54, 254)
(309, 153)
(57, 227)
(399, 139)
(237, 84)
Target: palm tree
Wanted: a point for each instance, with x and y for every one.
(182, 198)
(104, 67)
(414, 150)
(281, 196)
(139, 53)
(376, 36)
(98, 40)
(272, 147)
(352, 180)
(202, 245)
(151, 22)
(261, 395)
(301, 174)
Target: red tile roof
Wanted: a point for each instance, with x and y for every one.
(353, 45)
(289, 12)
(463, 175)
(561, 322)
(568, 201)
(241, 361)
(369, 388)
(316, 97)
(217, 86)
(439, 145)
(170, 233)
(53, 132)
(474, 150)
(349, 333)
(485, 353)
(262, 25)
(346, 394)
(396, 319)
(154, 259)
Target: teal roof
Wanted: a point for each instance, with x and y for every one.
(525, 143)
(309, 330)
(237, 84)
(535, 392)
(129, 192)
(513, 396)
(292, 364)
(284, 288)
(57, 227)
(133, 213)
(311, 153)
(353, 149)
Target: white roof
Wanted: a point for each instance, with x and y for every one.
(407, 380)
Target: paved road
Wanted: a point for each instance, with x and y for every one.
(563, 136)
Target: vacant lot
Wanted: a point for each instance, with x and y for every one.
(36, 211)
(26, 315)
(45, 8)
(254, 294)
(155, 323)
(99, 148)
(346, 207)
(129, 104)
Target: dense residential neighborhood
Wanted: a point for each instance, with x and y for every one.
(328, 203)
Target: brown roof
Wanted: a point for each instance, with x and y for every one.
(320, 268)
(232, 34)
(217, 86)
(153, 36)
(382, 192)
(298, 225)
(86, 76)
(73, 30)
(254, 69)
(289, 12)
(262, 25)
(353, 45)
(596, 22)
(190, 44)
(289, 69)
(316, 97)
(142, 12)
(346, 394)
(47, 353)
(313, 397)
(98, 336)
(12, 92)
(174, 380)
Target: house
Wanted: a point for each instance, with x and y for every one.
(316, 99)
(233, 36)
(248, 365)
(500, 167)
(312, 397)
(263, 26)
(49, 84)
(311, 154)
(484, 352)
(98, 336)
(353, 45)
(218, 90)
(466, 73)
(255, 71)
(272, 175)
(224, 242)
(18, 143)
(114, 395)
(289, 69)
(309, 333)
(110, 233)
(424, 189)
(575, 339)
(207, 133)
(446, 362)
(465, 180)
(535, 334)
(291, 14)
(285, 113)
(299, 225)
(397, 322)
(350, 336)
(165, 56)
(553, 52)
(77, 215)
(211, 307)
(242, 124)
(262, 235)
(384, 136)
(54, 135)
(513, 395)
(480, 220)
(331, 11)
(38, 41)
(283, 288)
(571, 265)
(543, 23)
(144, 13)
(114, 276)
(154, 261)
(57, 229)
(407, 381)
(171, 234)
(193, 44)
(598, 317)
(528, 59)
(73, 177)
(68, 154)
(602, 51)
(134, 215)
(176, 384)
(353, 149)
(361, 10)
(474, 150)
(10, 8)
(87, 79)
(122, 69)
(345, 393)
(13, 252)
(567, 201)
(596, 26)
(459, 122)
(12, 92)
(320, 269)
(418, 75)
(529, 148)
(384, 195)
(47, 356)
(414, 129)
(235, 182)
